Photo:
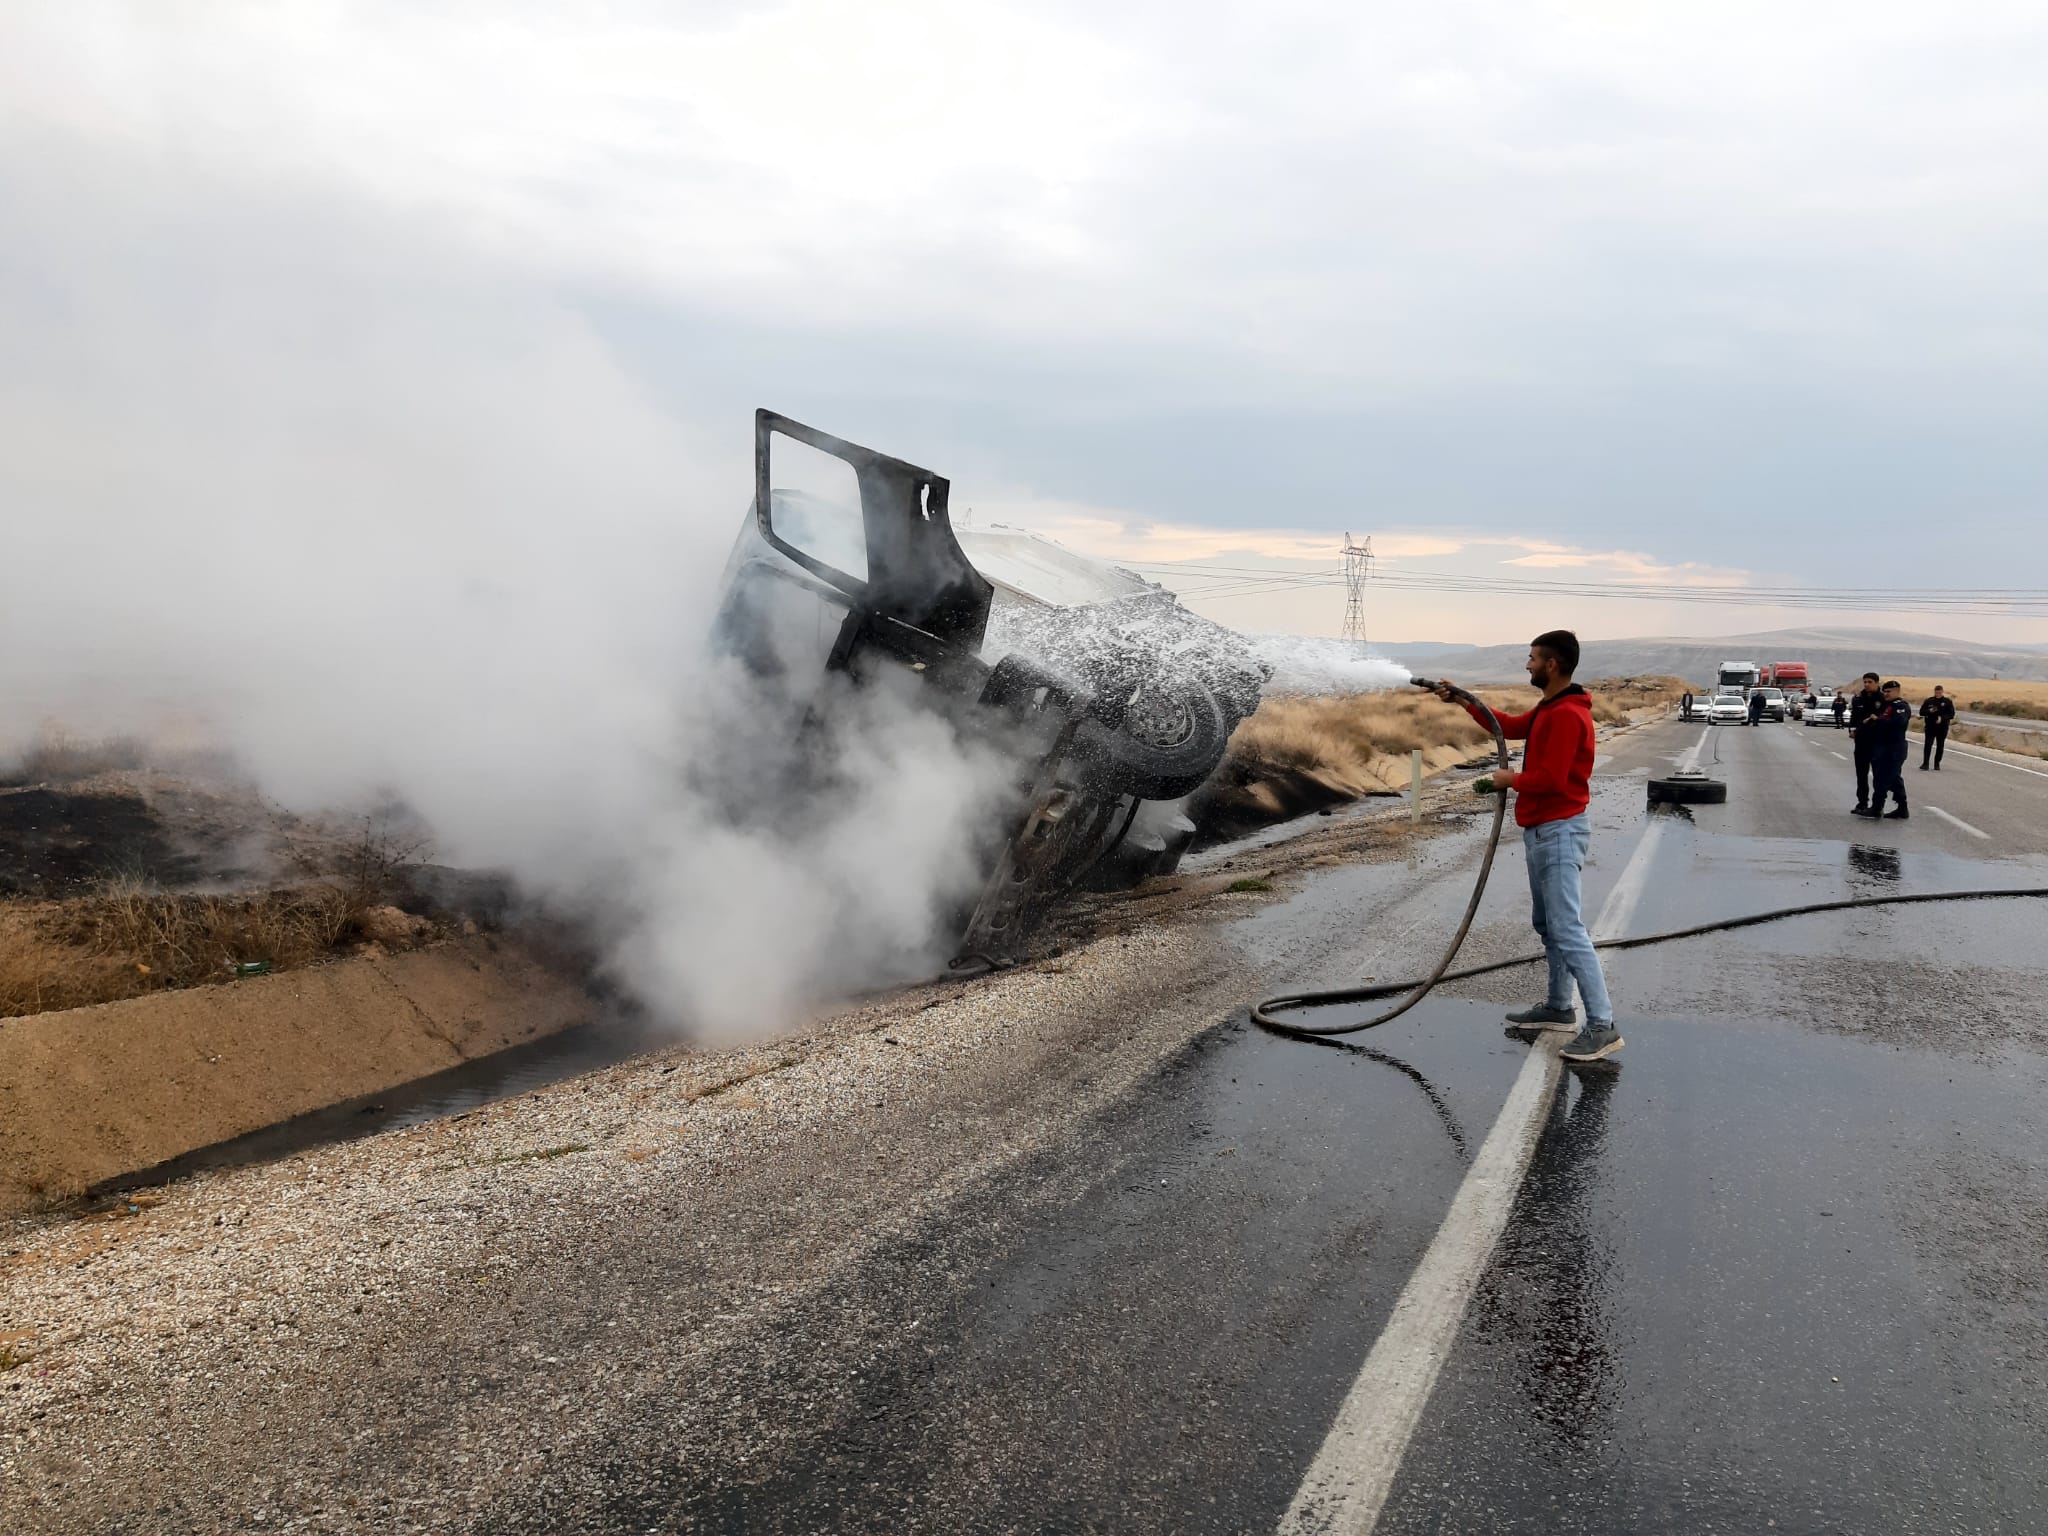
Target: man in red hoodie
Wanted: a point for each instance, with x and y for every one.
(1552, 789)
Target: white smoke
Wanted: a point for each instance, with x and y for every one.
(1318, 665)
(315, 480)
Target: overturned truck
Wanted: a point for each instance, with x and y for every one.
(1112, 700)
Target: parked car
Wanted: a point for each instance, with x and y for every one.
(1113, 701)
(1727, 709)
(1822, 710)
(1775, 705)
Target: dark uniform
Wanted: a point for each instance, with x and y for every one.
(1864, 704)
(1887, 730)
(1839, 705)
(1756, 708)
(1936, 711)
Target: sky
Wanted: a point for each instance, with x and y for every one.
(1714, 295)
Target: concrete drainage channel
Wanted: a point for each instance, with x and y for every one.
(472, 1085)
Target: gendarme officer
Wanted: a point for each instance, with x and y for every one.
(1867, 702)
(1936, 711)
(1887, 732)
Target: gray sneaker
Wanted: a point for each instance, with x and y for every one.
(1545, 1017)
(1599, 1038)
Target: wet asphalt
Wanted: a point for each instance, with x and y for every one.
(1781, 1269)
(1784, 1267)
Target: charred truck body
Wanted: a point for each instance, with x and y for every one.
(1113, 701)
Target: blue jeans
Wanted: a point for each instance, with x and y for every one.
(1555, 852)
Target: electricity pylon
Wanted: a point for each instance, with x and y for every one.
(1357, 566)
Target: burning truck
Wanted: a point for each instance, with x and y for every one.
(1113, 701)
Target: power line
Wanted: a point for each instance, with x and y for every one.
(1221, 581)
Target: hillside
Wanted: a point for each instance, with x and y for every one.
(1834, 655)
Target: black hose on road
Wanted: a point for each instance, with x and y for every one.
(1296, 1002)
(1416, 990)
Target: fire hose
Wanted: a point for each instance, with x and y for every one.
(1264, 1014)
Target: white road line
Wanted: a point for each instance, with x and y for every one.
(1621, 902)
(1995, 762)
(1957, 821)
(1691, 757)
(1347, 1484)
(1834, 753)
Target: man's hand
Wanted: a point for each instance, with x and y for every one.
(1443, 689)
(1504, 780)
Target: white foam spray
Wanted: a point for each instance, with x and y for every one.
(1312, 664)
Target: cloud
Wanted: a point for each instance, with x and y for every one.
(1630, 564)
(1662, 279)
(1111, 535)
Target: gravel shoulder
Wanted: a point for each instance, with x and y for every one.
(388, 1333)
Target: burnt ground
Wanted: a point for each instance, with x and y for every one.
(55, 844)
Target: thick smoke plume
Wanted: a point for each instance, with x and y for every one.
(318, 485)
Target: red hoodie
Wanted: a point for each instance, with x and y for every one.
(1555, 780)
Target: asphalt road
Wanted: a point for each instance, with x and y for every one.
(1783, 1268)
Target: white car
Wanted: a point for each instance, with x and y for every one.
(1727, 709)
(1775, 704)
(1822, 710)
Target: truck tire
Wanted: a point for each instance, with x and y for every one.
(1688, 789)
(1167, 745)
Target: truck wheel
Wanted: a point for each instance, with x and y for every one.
(1688, 789)
(1169, 743)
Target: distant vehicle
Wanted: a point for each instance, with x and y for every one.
(1739, 675)
(1775, 706)
(1822, 710)
(1790, 676)
(1727, 709)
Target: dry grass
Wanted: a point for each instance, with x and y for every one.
(1616, 698)
(1345, 734)
(1300, 754)
(56, 757)
(2020, 743)
(2024, 699)
(129, 938)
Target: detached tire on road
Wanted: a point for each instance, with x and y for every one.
(1688, 789)
(1167, 746)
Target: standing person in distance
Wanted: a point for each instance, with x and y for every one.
(1867, 702)
(1841, 703)
(1887, 732)
(1936, 711)
(1756, 705)
(1552, 790)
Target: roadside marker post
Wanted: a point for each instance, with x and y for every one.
(1415, 784)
